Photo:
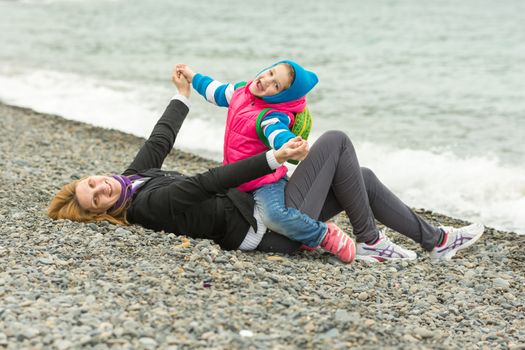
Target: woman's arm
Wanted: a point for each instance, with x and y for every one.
(179, 195)
(159, 144)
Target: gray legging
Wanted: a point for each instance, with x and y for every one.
(330, 180)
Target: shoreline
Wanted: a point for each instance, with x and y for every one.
(66, 285)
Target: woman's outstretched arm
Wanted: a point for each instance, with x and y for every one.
(160, 142)
(191, 190)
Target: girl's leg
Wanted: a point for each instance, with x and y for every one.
(308, 189)
(289, 222)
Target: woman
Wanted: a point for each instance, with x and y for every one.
(328, 181)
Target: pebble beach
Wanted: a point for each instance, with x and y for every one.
(65, 285)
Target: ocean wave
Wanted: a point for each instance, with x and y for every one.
(477, 189)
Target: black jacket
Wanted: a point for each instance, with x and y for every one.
(201, 206)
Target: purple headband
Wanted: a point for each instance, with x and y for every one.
(126, 190)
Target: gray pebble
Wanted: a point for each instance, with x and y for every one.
(501, 283)
(122, 232)
(344, 316)
(149, 343)
(3, 339)
(423, 332)
(363, 296)
(63, 344)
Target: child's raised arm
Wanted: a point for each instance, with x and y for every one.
(186, 71)
(212, 90)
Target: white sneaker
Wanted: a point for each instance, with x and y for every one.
(383, 250)
(456, 239)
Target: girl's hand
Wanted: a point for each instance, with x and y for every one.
(186, 71)
(180, 81)
(295, 148)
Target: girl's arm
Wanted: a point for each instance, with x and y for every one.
(213, 90)
(275, 129)
(275, 124)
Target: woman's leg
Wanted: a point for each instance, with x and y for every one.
(273, 242)
(390, 211)
(323, 185)
(395, 214)
(332, 167)
(353, 189)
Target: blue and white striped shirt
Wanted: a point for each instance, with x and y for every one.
(274, 124)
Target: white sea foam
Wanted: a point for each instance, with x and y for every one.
(475, 188)
(105, 104)
(109, 104)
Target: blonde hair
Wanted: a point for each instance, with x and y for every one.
(291, 72)
(65, 206)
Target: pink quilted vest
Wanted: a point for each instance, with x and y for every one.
(240, 137)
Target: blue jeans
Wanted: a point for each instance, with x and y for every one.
(289, 222)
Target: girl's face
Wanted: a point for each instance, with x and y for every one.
(97, 194)
(271, 81)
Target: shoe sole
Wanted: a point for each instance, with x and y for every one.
(354, 251)
(352, 254)
(452, 253)
(378, 259)
(305, 248)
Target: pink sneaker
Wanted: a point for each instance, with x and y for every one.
(339, 243)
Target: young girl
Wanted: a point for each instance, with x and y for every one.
(270, 103)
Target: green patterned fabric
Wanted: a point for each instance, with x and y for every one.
(302, 124)
(301, 127)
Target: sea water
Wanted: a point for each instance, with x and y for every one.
(432, 93)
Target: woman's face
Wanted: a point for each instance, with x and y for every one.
(97, 194)
(271, 81)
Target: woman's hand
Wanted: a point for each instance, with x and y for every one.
(295, 148)
(181, 82)
(186, 71)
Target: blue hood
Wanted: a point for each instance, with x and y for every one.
(303, 82)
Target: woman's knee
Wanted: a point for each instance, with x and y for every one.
(369, 177)
(337, 135)
(367, 173)
(336, 138)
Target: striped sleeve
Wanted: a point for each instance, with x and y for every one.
(275, 128)
(212, 90)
